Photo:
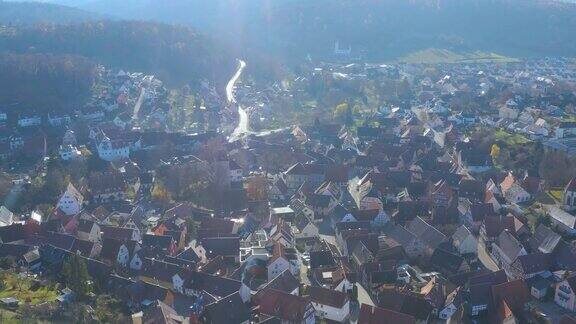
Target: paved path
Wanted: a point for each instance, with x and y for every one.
(485, 258)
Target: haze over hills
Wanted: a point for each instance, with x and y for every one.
(18, 13)
(380, 29)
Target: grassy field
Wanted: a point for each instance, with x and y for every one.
(510, 139)
(438, 56)
(23, 290)
(557, 194)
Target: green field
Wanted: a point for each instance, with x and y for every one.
(438, 56)
(510, 139)
(22, 289)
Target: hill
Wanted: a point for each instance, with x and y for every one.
(175, 54)
(378, 29)
(35, 82)
(30, 13)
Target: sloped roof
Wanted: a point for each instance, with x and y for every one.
(285, 282)
(426, 232)
(378, 315)
(327, 297)
(509, 245)
(282, 305)
(562, 217)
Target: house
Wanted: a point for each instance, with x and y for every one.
(513, 191)
(300, 173)
(566, 129)
(282, 259)
(480, 289)
(88, 231)
(569, 199)
(517, 195)
(71, 201)
(281, 233)
(539, 286)
(364, 193)
(159, 245)
(427, 233)
(159, 312)
(454, 300)
(29, 120)
(286, 307)
(378, 315)
(448, 262)
(565, 294)
(230, 309)
(329, 304)
(412, 244)
(405, 302)
(530, 265)
(494, 225)
(376, 217)
(109, 150)
(236, 172)
(285, 282)
(562, 221)
(506, 250)
(58, 120)
(69, 152)
(226, 247)
(544, 240)
(513, 295)
(121, 233)
(305, 228)
(464, 241)
(122, 253)
(6, 216)
(107, 187)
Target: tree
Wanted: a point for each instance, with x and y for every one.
(160, 193)
(494, 151)
(109, 310)
(257, 188)
(343, 113)
(76, 277)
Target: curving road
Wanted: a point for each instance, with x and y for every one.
(243, 127)
(243, 120)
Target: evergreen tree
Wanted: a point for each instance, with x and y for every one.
(76, 275)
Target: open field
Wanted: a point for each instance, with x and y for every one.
(23, 289)
(438, 56)
(509, 138)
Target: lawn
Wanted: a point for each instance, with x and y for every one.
(510, 139)
(438, 56)
(557, 194)
(9, 317)
(24, 290)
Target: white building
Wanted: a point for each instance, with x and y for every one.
(464, 241)
(330, 304)
(71, 201)
(69, 152)
(28, 121)
(109, 150)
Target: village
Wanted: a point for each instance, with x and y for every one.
(400, 193)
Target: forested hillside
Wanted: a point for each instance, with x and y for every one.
(173, 53)
(42, 81)
(381, 29)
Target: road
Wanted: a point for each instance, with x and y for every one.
(138, 104)
(243, 120)
(243, 127)
(485, 257)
